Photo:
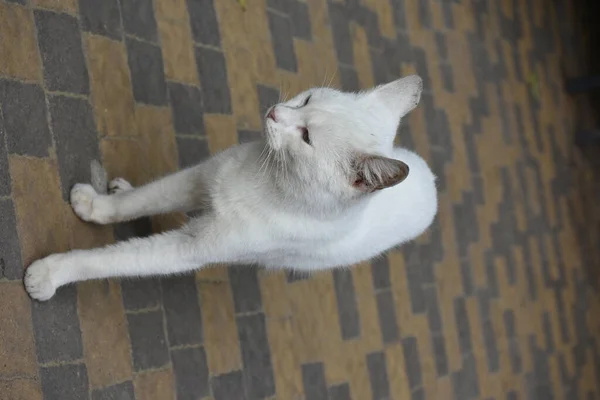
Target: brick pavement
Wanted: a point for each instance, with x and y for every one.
(498, 301)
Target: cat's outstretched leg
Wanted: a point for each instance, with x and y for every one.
(163, 254)
(182, 191)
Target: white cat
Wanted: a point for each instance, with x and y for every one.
(326, 188)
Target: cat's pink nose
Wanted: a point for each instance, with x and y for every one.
(271, 114)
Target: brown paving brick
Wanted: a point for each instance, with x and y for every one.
(68, 6)
(243, 93)
(370, 335)
(221, 131)
(285, 357)
(121, 158)
(362, 57)
(155, 127)
(105, 340)
(155, 385)
(273, 289)
(17, 353)
(177, 45)
(112, 95)
(17, 26)
(20, 389)
(219, 325)
(39, 206)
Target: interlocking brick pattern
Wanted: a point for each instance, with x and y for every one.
(499, 300)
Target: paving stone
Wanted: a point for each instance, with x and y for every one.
(203, 19)
(412, 362)
(212, 71)
(465, 382)
(283, 41)
(155, 385)
(101, 18)
(246, 136)
(25, 118)
(341, 34)
(313, 379)
(76, 140)
(245, 289)
(11, 266)
(21, 389)
(191, 373)
(387, 317)
(300, 18)
(148, 343)
(191, 151)
(267, 97)
(349, 79)
(147, 73)
(56, 327)
(346, 304)
(186, 103)
(59, 40)
(340, 392)
(434, 316)
(256, 356)
(463, 326)
(121, 391)
(378, 376)
(380, 268)
(138, 19)
(228, 386)
(438, 344)
(182, 310)
(141, 293)
(17, 352)
(20, 61)
(65, 382)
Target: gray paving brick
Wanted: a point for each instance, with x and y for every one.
(56, 327)
(5, 185)
(447, 77)
(491, 346)
(462, 325)
(182, 310)
(25, 118)
(340, 392)
(380, 270)
(425, 14)
(191, 373)
(246, 136)
(204, 23)
(141, 293)
(418, 394)
(147, 72)
(415, 288)
(412, 361)
(186, 104)
(341, 34)
(378, 376)
(387, 317)
(138, 19)
(228, 386)
(59, 40)
(399, 13)
(346, 303)
(465, 383)
(148, 343)
(434, 316)
(212, 71)
(11, 264)
(491, 275)
(512, 395)
(313, 380)
(191, 151)
(120, 391)
(101, 18)
(438, 345)
(76, 140)
(283, 41)
(300, 17)
(245, 289)
(256, 356)
(348, 79)
(65, 382)
(548, 336)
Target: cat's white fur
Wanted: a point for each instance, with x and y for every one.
(344, 198)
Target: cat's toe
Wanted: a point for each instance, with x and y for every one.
(38, 281)
(118, 185)
(82, 200)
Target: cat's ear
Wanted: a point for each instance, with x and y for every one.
(399, 96)
(372, 173)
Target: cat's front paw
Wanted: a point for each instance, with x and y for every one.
(118, 185)
(38, 281)
(91, 206)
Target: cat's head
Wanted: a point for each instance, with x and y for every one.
(342, 140)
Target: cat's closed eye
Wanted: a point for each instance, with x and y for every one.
(305, 135)
(306, 100)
